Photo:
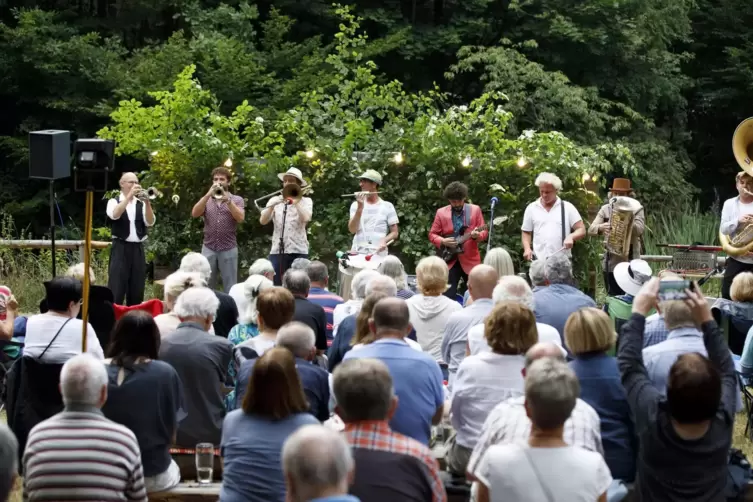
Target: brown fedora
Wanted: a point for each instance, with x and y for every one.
(621, 185)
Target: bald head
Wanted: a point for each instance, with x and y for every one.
(481, 281)
(390, 316)
(541, 350)
(127, 181)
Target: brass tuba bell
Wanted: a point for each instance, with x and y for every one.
(741, 242)
(218, 192)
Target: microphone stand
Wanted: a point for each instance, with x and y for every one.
(282, 239)
(491, 224)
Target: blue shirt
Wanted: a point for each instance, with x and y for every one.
(341, 344)
(417, 380)
(658, 359)
(337, 498)
(746, 361)
(251, 451)
(555, 303)
(655, 331)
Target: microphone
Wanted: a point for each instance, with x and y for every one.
(343, 258)
(494, 201)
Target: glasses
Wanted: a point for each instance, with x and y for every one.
(204, 463)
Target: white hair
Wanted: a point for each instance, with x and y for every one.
(260, 267)
(382, 284)
(551, 389)
(251, 289)
(77, 271)
(197, 302)
(499, 259)
(297, 337)
(393, 267)
(360, 280)
(8, 461)
(177, 282)
(196, 262)
(559, 269)
(548, 179)
(537, 272)
(513, 289)
(82, 379)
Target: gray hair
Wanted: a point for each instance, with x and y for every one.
(552, 390)
(363, 389)
(676, 314)
(197, 302)
(382, 284)
(77, 271)
(548, 179)
(254, 285)
(499, 259)
(316, 460)
(177, 282)
(359, 282)
(300, 264)
(260, 267)
(515, 289)
(317, 271)
(393, 267)
(196, 262)
(559, 269)
(537, 272)
(8, 461)
(82, 379)
(297, 282)
(297, 337)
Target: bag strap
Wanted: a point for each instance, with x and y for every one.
(562, 212)
(53, 339)
(539, 477)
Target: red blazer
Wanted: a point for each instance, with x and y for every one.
(442, 227)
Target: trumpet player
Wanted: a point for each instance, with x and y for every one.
(737, 213)
(222, 211)
(372, 220)
(289, 217)
(129, 215)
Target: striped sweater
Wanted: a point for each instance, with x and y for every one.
(81, 455)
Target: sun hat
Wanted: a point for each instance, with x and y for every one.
(295, 173)
(631, 276)
(372, 176)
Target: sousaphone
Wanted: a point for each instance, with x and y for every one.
(741, 242)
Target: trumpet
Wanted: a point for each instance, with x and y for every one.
(218, 192)
(358, 194)
(291, 194)
(150, 193)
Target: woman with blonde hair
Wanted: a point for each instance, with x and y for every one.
(500, 260)
(589, 334)
(175, 284)
(430, 309)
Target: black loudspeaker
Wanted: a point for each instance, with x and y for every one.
(50, 154)
(94, 161)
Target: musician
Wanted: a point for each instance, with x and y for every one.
(549, 223)
(600, 226)
(736, 214)
(221, 217)
(296, 213)
(372, 220)
(128, 217)
(450, 223)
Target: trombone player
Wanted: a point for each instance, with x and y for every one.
(128, 215)
(222, 211)
(289, 213)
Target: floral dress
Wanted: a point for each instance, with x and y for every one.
(239, 334)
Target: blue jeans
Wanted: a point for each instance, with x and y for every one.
(287, 261)
(223, 263)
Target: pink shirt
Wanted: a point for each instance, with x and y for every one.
(219, 224)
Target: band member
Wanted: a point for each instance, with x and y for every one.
(737, 213)
(129, 218)
(289, 217)
(450, 223)
(600, 226)
(222, 211)
(372, 220)
(549, 223)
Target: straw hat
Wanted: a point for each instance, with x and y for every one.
(295, 173)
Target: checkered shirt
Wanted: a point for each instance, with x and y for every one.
(655, 331)
(377, 436)
(219, 224)
(508, 423)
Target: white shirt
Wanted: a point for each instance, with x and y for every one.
(429, 316)
(295, 237)
(481, 383)
(168, 322)
(547, 226)
(731, 212)
(517, 472)
(237, 293)
(477, 341)
(42, 328)
(131, 212)
(342, 311)
(376, 220)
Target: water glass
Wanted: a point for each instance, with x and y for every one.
(204, 462)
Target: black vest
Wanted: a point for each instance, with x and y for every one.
(121, 227)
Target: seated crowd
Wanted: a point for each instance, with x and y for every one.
(306, 397)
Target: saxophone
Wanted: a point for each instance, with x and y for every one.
(620, 235)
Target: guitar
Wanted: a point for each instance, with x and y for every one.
(449, 254)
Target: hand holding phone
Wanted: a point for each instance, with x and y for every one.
(674, 290)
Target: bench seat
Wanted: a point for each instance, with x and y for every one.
(189, 491)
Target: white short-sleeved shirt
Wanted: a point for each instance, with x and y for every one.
(41, 330)
(547, 226)
(131, 212)
(295, 237)
(731, 212)
(376, 220)
(517, 472)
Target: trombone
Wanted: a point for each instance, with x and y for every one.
(358, 194)
(291, 194)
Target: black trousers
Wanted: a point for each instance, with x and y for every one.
(287, 261)
(456, 273)
(127, 272)
(733, 268)
(613, 289)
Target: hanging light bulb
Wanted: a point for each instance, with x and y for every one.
(229, 162)
(310, 154)
(176, 199)
(522, 161)
(398, 158)
(466, 162)
(154, 153)
(586, 177)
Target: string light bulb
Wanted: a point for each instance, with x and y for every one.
(310, 154)
(586, 177)
(398, 158)
(522, 161)
(229, 162)
(466, 162)
(154, 153)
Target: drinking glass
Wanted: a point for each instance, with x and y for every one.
(204, 462)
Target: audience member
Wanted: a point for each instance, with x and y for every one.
(364, 335)
(55, 336)
(8, 462)
(227, 312)
(547, 465)
(139, 381)
(357, 294)
(630, 276)
(382, 284)
(392, 267)
(489, 378)
(320, 295)
(416, 375)
(735, 316)
(300, 264)
(685, 439)
(247, 327)
(430, 309)
(8, 317)
(79, 454)
(389, 465)
(537, 274)
(307, 312)
(481, 283)
(175, 284)
(318, 466)
(589, 334)
(262, 267)
(656, 330)
(499, 259)
(275, 307)
(202, 361)
(360, 334)
(274, 406)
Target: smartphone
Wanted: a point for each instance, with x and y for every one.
(674, 290)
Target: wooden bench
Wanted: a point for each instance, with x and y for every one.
(190, 491)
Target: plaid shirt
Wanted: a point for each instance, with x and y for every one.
(377, 436)
(508, 423)
(655, 331)
(219, 224)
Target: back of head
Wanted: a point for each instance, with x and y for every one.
(431, 276)
(512, 288)
(541, 350)
(482, 280)
(552, 390)
(276, 307)
(77, 272)
(559, 269)
(196, 262)
(359, 282)
(61, 291)
(537, 273)
(177, 282)
(500, 260)
(741, 289)
(297, 337)
(134, 335)
(393, 267)
(300, 264)
(589, 330)
(8, 461)
(510, 328)
(363, 390)
(318, 272)
(297, 282)
(260, 267)
(198, 303)
(274, 390)
(694, 389)
(363, 334)
(391, 315)
(82, 379)
(252, 288)
(382, 284)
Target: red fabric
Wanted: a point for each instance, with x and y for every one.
(442, 227)
(154, 307)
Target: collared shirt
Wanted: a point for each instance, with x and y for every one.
(296, 240)
(456, 333)
(655, 331)
(556, 302)
(219, 224)
(380, 477)
(547, 226)
(328, 301)
(376, 220)
(731, 212)
(508, 423)
(131, 212)
(658, 359)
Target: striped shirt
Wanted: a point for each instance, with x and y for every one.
(328, 301)
(79, 454)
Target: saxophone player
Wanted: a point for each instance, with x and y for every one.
(737, 213)
(621, 187)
